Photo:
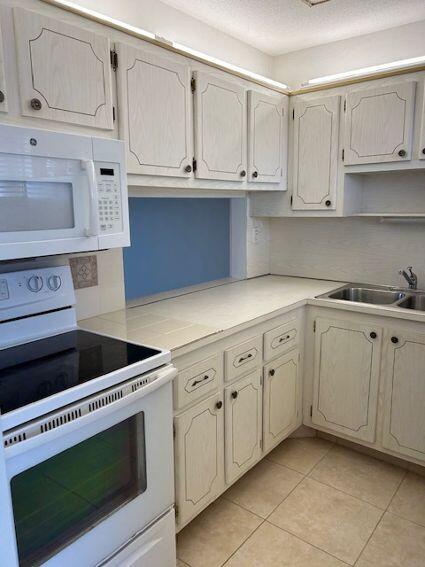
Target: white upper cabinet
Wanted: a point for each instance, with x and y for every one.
(315, 153)
(346, 377)
(3, 95)
(265, 131)
(64, 71)
(155, 116)
(220, 128)
(379, 124)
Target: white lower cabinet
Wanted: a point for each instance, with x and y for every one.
(404, 397)
(199, 456)
(281, 398)
(243, 425)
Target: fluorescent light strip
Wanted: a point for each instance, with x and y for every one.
(401, 64)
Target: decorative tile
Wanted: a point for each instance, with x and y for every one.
(409, 501)
(270, 546)
(327, 518)
(300, 454)
(211, 538)
(263, 487)
(395, 543)
(359, 475)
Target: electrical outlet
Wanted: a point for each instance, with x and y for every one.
(84, 271)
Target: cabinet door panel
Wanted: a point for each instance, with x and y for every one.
(3, 94)
(346, 377)
(65, 68)
(155, 116)
(281, 398)
(243, 420)
(315, 156)
(199, 455)
(379, 124)
(265, 127)
(220, 130)
(404, 402)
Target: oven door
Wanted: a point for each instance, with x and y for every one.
(81, 489)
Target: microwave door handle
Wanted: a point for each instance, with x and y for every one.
(88, 166)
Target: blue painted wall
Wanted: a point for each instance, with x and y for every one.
(176, 243)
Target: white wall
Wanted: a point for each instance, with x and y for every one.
(158, 18)
(381, 47)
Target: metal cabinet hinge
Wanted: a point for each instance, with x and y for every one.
(311, 411)
(345, 105)
(174, 431)
(292, 199)
(194, 164)
(261, 444)
(343, 154)
(114, 59)
(176, 510)
(193, 84)
(293, 114)
(113, 113)
(314, 326)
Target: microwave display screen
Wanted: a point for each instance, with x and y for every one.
(106, 171)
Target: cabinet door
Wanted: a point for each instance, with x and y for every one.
(3, 94)
(346, 377)
(64, 71)
(421, 146)
(404, 401)
(199, 456)
(265, 130)
(315, 154)
(281, 398)
(379, 124)
(155, 114)
(243, 425)
(220, 129)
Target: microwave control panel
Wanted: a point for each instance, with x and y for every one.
(109, 198)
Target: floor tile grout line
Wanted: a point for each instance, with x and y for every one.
(287, 496)
(397, 489)
(283, 466)
(244, 541)
(305, 474)
(243, 507)
(370, 537)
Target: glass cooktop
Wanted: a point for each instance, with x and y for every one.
(39, 369)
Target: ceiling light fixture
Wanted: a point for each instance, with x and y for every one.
(364, 71)
(312, 3)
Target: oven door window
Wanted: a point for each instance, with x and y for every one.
(58, 500)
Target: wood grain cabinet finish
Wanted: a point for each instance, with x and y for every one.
(243, 425)
(315, 153)
(64, 71)
(3, 93)
(379, 124)
(265, 132)
(404, 398)
(220, 128)
(281, 413)
(346, 377)
(199, 456)
(155, 113)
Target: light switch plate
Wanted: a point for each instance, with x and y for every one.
(84, 271)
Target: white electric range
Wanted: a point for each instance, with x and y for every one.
(87, 434)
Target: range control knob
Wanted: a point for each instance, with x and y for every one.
(35, 283)
(54, 283)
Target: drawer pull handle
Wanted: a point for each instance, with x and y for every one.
(285, 338)
(200, 380)
(247, 357)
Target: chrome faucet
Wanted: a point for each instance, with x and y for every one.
(411, 277)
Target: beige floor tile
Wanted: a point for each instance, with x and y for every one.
(395, 543)
(300, 454)
(270, 546)
(359, 475)
(409, 501)
(327, 518)
(181, 563)
(215, 534)
(263, 487)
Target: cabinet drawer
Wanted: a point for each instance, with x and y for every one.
(281, 339)
(198, 380)
(243, 358)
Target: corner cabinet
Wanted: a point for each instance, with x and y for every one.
(346, 377)
(3, 94)
(155, 120)
(64, 71)
(404, 398)
(266, 121)
(315, 153)
(220, 128)
(379, 124)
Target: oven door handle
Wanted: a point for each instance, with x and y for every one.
(93, 228)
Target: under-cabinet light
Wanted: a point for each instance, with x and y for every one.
(364, 71)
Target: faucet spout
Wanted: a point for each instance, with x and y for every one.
(411, 277)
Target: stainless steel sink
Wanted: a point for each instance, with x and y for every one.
(415, 301)
(367, 295)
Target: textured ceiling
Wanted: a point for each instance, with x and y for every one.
(280, 26)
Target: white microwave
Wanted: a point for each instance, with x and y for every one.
(60, 193)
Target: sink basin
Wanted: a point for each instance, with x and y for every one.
(367, 295)
(414, 301)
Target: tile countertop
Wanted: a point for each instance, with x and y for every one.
(183, 323)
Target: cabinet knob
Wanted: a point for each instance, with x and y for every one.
(36, 104)
(373, 335)
(243, 173)
(402, 153)
(394, 340)
(2, 97)
(188, 168)
(219, 405)
(272, 372)
(235, 395)
(328, 203)
(423, 151)
(255, 174)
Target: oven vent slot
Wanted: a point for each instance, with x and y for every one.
(13, 439)
(139, 384)
(60, 420)
(105, 400)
